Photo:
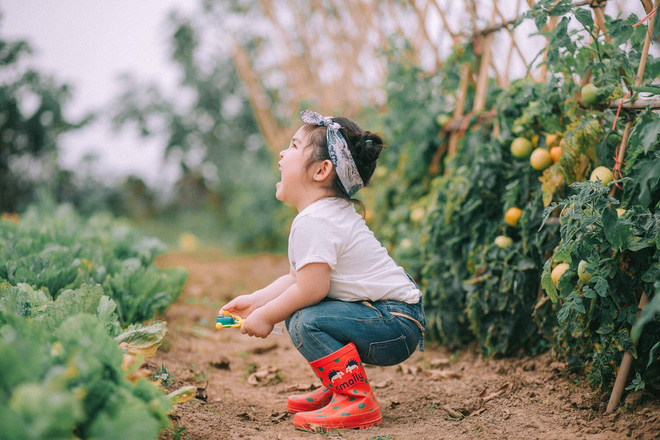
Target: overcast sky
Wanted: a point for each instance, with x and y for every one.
(87, 44)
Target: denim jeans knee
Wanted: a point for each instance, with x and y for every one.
(380, 332)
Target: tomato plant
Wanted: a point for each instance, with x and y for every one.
(500, 292)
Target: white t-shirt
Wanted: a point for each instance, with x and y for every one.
(330, 231)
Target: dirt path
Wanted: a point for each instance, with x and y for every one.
(249, 379)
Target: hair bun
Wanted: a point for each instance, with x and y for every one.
(369, 146)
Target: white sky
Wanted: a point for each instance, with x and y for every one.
(87, 44)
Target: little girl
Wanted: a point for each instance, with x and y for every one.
(344, 299)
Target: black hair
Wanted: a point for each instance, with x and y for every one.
(365, 147)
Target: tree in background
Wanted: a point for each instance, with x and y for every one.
(31, 120)
(210, 129)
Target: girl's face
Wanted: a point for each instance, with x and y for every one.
(295, 178)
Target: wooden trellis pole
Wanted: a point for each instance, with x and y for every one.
(329, 25)
(638, 104)
(460, 106)
(543, 71)
(421, 17)
(624, 369)
(260, 103)
(482, 77)
(454, 36)
(514, 43)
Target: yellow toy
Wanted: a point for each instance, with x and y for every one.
(229, 320)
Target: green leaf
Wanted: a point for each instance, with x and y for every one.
(653, 274)
(652, 354)
(621, 30)
(651, 309)
(605, 328)
(526, 264)
(647, 89)
(561, 8)
(128, 419)
(53, 413)
(578, 305)
(646, 132)
(600, 285)
(540, 19)
(547, 284)
(585, 18)
(589, 292)
(648, 176)
(71, 302)
(144, 339)
(618, 233)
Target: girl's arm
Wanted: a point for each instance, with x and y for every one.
(311, 286)
(244, 305)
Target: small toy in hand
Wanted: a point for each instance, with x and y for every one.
(229, 320)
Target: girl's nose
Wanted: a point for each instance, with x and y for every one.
(282, 154)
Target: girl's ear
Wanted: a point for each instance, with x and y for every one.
(323, 171)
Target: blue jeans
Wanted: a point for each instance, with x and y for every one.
(384, 332)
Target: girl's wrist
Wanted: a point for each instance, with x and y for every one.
(256, 298)
(265, 316)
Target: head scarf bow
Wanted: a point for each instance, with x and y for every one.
(340, 155)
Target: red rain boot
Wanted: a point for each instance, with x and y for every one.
(353, 404)
(310, 401)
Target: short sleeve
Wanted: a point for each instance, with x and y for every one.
(314, 240)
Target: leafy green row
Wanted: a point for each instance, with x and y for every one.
(61, 372)
(60, 251)
(61, 369)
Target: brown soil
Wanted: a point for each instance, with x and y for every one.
(249, 379)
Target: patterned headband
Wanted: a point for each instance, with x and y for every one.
(340, 155)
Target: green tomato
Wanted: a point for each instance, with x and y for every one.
(585, 276)
(603, 174)
(590, 94)
(521, 148)
(442, 119)
(503, 241)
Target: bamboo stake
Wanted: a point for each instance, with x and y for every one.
(399, 29)
(543, 70)
(294, 67)
(514, 43)
(638, 82)
(421, 17)
(273, 135)
(638, 104)
(454, 36)
(482, 77)
(491, 61)
(506, 24)
(455, 124)
(361, 11)
(599, 17)
(648, 6)
(624, 369)
(460, 106)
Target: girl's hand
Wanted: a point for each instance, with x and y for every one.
(257, 324)
(242, 306)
